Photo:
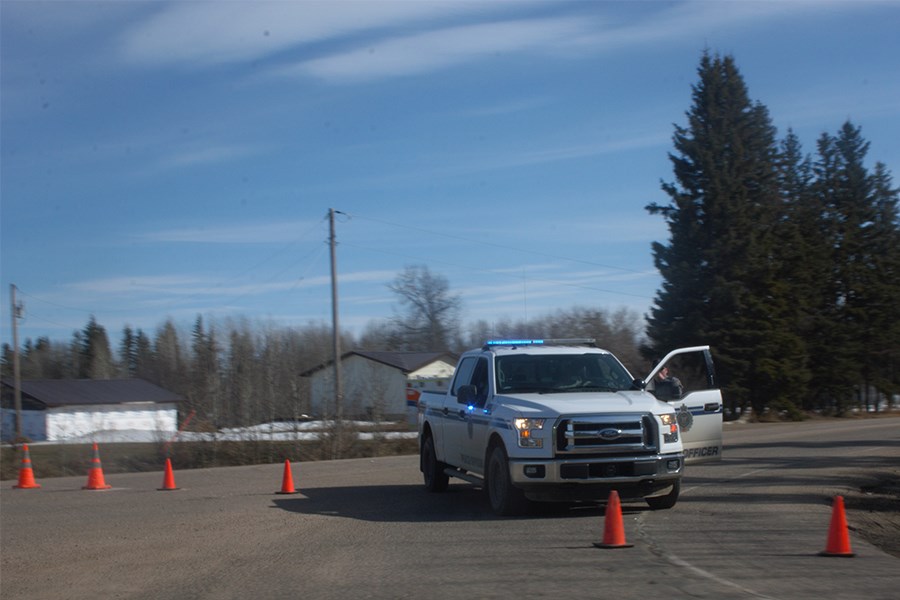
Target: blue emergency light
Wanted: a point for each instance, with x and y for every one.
(513, 342)
(545, 342)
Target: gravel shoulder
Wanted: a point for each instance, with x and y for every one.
(873, 508)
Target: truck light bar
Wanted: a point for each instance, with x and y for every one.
(549, 342)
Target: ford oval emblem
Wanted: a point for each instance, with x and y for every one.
(610, 434)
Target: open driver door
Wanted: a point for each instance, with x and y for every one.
(686, 379)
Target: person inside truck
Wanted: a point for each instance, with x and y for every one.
(667, 387)
(515, 377)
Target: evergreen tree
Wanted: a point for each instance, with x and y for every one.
(6, 367)
(43, 359)
(75, 357)
(128, 352)
(719, 273)
(857, 296)
(881, 349)
(144, 359)
(97, 360)
(803, 264)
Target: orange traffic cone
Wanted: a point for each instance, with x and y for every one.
(26, 474)
(287, 482)
(613, 529)
(838, 536)
(168, 478)
(95, 475)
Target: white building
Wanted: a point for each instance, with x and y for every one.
(61, 409)
(375, 384)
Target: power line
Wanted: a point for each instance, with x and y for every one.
(309, 258)
(504, 247)
(50, 302)
(495, 273)
(495, 245)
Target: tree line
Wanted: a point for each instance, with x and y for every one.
(786, 264)
(238, 372)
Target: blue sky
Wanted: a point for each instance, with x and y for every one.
(169, 159)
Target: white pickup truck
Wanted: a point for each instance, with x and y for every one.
(564, 421)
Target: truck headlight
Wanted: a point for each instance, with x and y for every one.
(528, 432)
(670, 428)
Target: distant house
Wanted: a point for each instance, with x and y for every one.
(72, 409)
(375, 383)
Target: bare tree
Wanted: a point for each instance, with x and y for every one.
(242, 398)
(430, 318)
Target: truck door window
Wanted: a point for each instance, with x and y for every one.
(472, 371)
(480, 380)
(463, 374)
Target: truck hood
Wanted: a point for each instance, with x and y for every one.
(557, 405)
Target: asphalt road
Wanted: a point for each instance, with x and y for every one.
(750, 526)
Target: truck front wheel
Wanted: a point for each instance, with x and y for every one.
(667, 501)
(436, 480)
(505, 498)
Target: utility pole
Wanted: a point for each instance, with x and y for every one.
(16, 310)
(336, 339)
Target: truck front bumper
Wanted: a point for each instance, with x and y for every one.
(592, 478)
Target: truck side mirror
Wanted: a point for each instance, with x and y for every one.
(638, 384)
(466, 394)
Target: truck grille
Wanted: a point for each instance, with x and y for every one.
(606, 434)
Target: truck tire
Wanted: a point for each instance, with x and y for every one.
(667, 501)
(505, 498)
(436, 480)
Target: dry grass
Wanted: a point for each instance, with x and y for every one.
(61, 460)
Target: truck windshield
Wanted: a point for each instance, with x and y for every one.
(561, 373)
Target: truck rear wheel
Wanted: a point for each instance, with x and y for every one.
(432, 469)
(505, 498)
(667, 501)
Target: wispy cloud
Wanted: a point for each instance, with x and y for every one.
(168, 292)
(432, 50)
(182, 285)
(687, 20)
(62, 20)
(170, 284)
(213, 33)
(355, 277)
(368, 40)
(259, 233)
(530, 287)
